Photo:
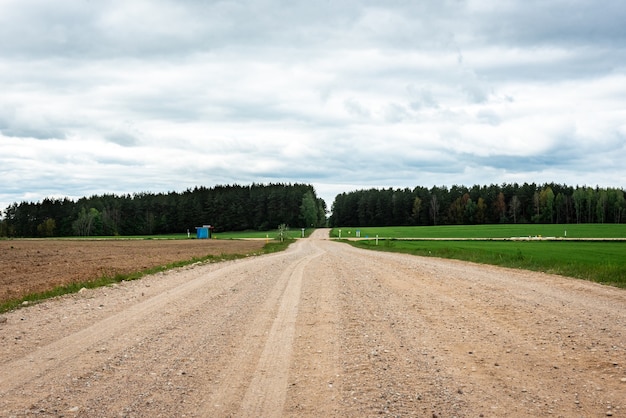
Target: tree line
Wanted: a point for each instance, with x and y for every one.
(225, 207)
(506, 203)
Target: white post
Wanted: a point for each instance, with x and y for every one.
(377, 239)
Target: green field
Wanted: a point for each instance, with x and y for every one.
(489, 231)
(273, 234)
(599, 261)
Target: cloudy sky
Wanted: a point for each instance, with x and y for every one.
(123, 96)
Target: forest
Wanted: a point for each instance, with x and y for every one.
(506, 203)
(264, 207)
(226, 208)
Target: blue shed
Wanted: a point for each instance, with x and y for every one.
(203, 232)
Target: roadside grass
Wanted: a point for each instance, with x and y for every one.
(254, 234)
(488, 231)
(602, 262)
(272, 234)
(107, 280)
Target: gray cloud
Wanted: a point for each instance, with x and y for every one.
(555, 23)
(32, 132)
(123, 96)
(26, 124)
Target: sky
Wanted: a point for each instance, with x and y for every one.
(125, 96)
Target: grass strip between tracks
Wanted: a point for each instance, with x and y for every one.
(74, 287)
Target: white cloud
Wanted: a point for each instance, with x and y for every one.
(132, 96)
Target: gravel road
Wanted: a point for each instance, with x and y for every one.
(322, 329)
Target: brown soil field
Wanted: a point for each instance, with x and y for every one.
(35, 265)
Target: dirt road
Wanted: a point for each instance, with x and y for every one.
(322, 329)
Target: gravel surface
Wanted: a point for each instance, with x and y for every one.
(322, 329)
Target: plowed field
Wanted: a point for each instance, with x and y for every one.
(32, 265)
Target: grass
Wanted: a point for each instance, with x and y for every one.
(273, 234)
(490, 231)
(270, 235)
(270, 247)
(602, 262)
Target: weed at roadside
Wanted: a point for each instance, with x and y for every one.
(601, 262)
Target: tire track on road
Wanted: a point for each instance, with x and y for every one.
(315, 371)
(267, 385)
(118, 330)
(267, 391)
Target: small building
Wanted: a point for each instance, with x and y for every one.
(204, 231)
